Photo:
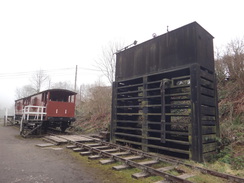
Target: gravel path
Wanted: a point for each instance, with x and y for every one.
(21, 161)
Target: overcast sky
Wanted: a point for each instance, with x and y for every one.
(57, 35)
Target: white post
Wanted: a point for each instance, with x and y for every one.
(6, 117)
(41, 113)
(14, 115)
(28, 112)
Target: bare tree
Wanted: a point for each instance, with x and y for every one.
(38, 80)
(234, 60)
(25, 91)
(231, 64)
(107, 61)
(94, 108)
(62, 85)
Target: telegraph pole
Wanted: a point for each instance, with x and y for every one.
(75, 76)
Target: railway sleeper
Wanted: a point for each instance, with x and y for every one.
(78, 149)
(85, 153)
(95, 156)
(121, 167)
(140, 175)
(107, 161)
(71, 146)
(151, 162)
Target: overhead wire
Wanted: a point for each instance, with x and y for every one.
(56, 72)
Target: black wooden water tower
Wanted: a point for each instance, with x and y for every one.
(164, 95)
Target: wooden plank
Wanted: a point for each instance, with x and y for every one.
(207, 83)
(208, 118)
(206, 74)
(208, 130)
(209, 147)
(209, 101)
(169, 140)
(209, 123)
(75, 138)
(208, 138)
(78, 149)
(126, 134)
(168, 149)
(128, 141)
(163, 169)
(94, 157)
(71, 146)
(148, 162)
(207, 91)
(129, 128)
(129, 114)
(85, 153)
(208, 110)
(121, 167)
(129, 86)
(140, 175)
(185, 176)
(45, 145)
(106, 161)
(56, 139)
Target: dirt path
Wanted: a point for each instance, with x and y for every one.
(23, 162)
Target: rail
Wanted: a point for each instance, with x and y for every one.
(100, 149)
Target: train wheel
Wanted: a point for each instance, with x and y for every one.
(63, 128)
(24, 132)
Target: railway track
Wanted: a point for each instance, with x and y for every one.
(150, 164)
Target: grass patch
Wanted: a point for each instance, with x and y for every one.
(204, 178)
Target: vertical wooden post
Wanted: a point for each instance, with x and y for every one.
(196, 124)
(144, 116)
(113, 122)
(216, 107)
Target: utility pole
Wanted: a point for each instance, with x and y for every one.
(75, 76)
(80, 92)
